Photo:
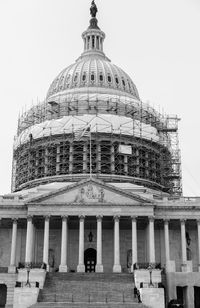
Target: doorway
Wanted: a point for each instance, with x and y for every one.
(196, 297)
(3, 295)
(181, 293)
(90, 257)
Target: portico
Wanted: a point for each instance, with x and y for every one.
(117, 228)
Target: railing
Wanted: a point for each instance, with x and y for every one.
(147, 266)
(31, 265)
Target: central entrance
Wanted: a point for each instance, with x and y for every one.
(90, 257)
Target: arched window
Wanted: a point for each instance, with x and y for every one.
(101, 77)
(109, 79)
(92, 77)
(76, 77)
(84, 76)
(123, 82)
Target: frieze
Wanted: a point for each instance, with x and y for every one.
(90, 193)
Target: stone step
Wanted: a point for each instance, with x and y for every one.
(88, 305)
(96, 296)
(83, 287)
(93, 290)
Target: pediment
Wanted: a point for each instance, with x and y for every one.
(90, 192)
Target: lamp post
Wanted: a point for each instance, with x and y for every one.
(28, 267)
(150, 268)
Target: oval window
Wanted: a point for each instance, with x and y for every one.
(109, 78)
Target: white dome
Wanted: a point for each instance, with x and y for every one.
(92, 71)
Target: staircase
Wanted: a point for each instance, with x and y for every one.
(94, 290)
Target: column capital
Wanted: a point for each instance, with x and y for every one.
(14, 220)
(99, 217)
(116, 217)
(47, 217)
(81, 217)
(29, 217)
(151, 218)
(134, 218)
(166, 220)
(198, 220)
(64, 217)
(183, 220)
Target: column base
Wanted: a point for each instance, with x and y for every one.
(170, 266)
(11, 269)
(187, 266)
(63, 269)
(99, 268)
(81, 268)
(117, 268)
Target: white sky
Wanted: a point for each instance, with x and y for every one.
(157, 42)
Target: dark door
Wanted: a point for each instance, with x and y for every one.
(90, 260)
(196, 297)
(181, 295)
(3, 295)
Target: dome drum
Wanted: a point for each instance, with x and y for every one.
(62, 157)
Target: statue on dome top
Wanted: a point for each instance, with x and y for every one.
(93, 9)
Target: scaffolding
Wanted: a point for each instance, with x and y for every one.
(154, 160)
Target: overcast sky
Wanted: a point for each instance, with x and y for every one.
(157, 42)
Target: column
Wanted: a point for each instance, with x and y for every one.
(198, 232)
(183, 242)
(170, 265)
(166, 234)
(58, 159)
(112, 159)
(46, 160)
(63, 262)
(29, 241)
(46, 242)
(151, 241)
(126, 164)
(12, 267)
(98, 157)
(134, 242)
(85, 150)
(116, 266)
(81, 266)
(99, 265)
(71, 158)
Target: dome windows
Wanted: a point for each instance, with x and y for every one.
(109, 78)
(84, 76)
(76, 77)
(123, 83)
(92, 77)
(117, 80)
(93, 42)
(101, 77)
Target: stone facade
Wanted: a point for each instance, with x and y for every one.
(166, 232)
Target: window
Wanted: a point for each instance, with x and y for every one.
(76, 77)
(93, 41)
(84, 77)
(123, 82)
(101, 77)
(109, 79)
(92, 77)
(116, 80)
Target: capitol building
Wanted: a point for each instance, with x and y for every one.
(96, 216)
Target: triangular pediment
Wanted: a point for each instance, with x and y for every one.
(90, 191)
